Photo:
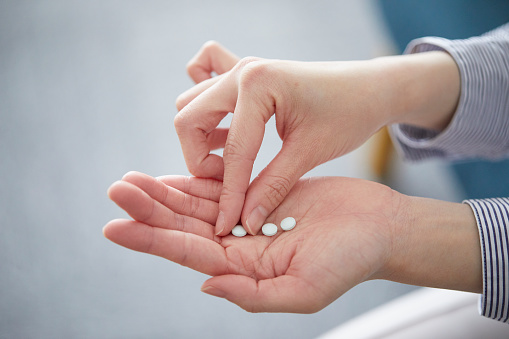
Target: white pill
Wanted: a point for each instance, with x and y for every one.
(239, 231)
(288, 223)
(269, 229)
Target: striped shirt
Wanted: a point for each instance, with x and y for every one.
(479, 128)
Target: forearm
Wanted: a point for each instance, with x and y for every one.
(479, 124)
(420, 89)
(435, 244)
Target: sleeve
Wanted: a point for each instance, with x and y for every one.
(492, 216)
(480, 125)
(479, 128)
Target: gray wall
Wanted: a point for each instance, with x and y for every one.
(87, 93)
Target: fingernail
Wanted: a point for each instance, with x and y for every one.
(220, 223)
(256, 218)
(213, 291)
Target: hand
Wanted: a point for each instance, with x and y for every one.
(341, 238)
(211, 58)
(348, 231)
(305, 99)
(323, 110)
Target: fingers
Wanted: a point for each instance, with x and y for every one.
(212, 57)
(244, 91)
(175, 200)
(254, 108)
(217, 138)
(142, 207)
(209, 189)
(272, 185)
(285, 293)
(193, 251)
(200, 118)
(186, 97)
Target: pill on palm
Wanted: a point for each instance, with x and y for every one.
(288, 223)
(269, 229)
(239, 231)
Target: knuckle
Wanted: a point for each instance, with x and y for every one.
(149, 240)
(179, 222)
(235, 150)
(180, 102)
(277, 189)
(229, 193)
(193, 66)
(246, 61)
(146, 217)
(253, 69)
(193, 205)
(185, 203)
(193, 168)
(210, 45)
(212, 186)
(251, 59)
(179, 122)
(232, 148)
(258, 75)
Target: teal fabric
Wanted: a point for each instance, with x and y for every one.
(454, 19)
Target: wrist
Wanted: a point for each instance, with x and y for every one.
(435, 244)
(421, 89)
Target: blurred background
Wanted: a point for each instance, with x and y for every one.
(87, 92)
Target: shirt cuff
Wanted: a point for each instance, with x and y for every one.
(492, 217)
(479, 125)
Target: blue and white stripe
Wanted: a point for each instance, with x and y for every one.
(479, 128)
(492, 217)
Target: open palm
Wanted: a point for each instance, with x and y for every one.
(341, 238)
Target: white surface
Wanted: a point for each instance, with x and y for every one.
(269, 229)
(239, 231)
(287, 224)
(425, 313)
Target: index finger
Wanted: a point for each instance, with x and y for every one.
(212, 57)
(199, 187)
(197, 120)
(254, 108)
(187, 249)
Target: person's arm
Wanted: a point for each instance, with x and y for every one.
(436, 244)
(348, 231)
(492, 217)
(480, 124)
(478, 128)
(323, 110)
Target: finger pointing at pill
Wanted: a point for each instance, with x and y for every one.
(269, 189)
(313, 118)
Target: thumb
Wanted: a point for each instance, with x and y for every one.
(271, 187)
(269, 295)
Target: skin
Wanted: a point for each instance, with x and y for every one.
(323, 110)
(348, 231)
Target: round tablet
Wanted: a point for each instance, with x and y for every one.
(288, 223)
(239, 231)
(269, 229)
